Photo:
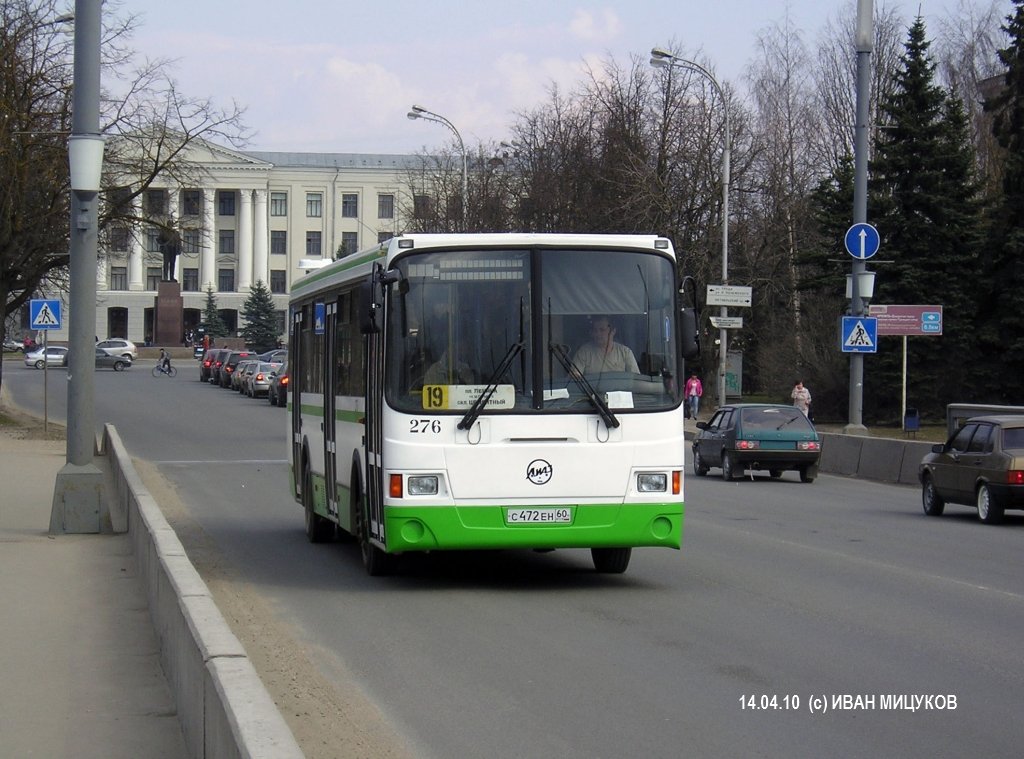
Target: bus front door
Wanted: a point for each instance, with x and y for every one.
(330, 447)
(374, 465)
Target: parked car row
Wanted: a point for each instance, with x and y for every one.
(58, 355)
(255, 375)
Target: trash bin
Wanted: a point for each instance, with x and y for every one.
(911, 420)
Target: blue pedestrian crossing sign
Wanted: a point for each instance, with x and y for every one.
(44, 314)
(862, 241)
(860, 334)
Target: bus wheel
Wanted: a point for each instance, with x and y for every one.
(611, 561)
(318, 529)
(376, 562)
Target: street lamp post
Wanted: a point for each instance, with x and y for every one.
(78, 491)
(661, 58)
(419, 112)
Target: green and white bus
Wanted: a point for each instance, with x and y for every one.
(436, 402)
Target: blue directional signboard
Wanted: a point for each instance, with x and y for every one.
(862, 241)
(319, 319)
(860, 334)
(908, 320)
(44, 314)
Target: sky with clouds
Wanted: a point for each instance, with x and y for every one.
(330, 76)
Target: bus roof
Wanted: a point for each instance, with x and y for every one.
(354, 264)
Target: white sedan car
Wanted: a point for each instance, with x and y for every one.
(54, 355)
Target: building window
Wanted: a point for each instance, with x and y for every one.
(152, 240)
(279, 204)
(226, 242)
(279, 318)
(118, 277)
(313, 244)
(385, 206)
(190, 280)
(314, 204)
(118, 239)
(155, 202)
(383, 236)
(153, 276)
(279, 242)
(191, 202)
(350, 205)
(226, 202)
(349, 243)
(190, 242)
(278, 284)
(422, 206)
(226, 280)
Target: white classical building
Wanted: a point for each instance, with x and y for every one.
(252, 216)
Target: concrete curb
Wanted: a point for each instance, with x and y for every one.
(223, 707)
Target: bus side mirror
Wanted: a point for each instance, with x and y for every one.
(369, 309)
(689, 338)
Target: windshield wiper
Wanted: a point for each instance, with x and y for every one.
(492, 384)
(606, 414)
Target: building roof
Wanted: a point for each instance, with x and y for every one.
(336, 160)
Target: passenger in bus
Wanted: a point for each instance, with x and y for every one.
(602, 353)
(444, 371)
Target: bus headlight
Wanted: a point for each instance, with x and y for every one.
(423, 485)
(652, 483)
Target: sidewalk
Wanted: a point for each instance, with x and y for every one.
(79, 663)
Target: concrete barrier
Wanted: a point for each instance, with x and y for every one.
(223, 707)
(872, 458)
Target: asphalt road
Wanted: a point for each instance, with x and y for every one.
(825, 619)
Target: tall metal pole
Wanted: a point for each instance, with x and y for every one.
(78, 490)
(419, 112)
(864, 43)
(659, 59)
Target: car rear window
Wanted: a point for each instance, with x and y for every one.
(1013, 438)
(774, 419)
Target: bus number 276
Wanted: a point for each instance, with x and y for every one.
(424, 426)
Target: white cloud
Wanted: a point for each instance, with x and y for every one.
(601, 27)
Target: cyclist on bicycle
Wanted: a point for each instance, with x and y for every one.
(165, 360)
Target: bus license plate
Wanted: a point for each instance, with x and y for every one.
(538, 516)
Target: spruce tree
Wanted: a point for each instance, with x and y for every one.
(1001, 312)
(215, 326)
(924, 201)
(260, 330)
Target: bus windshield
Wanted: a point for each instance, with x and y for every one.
(542, 330)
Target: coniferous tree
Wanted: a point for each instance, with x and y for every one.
(215, 326)
(924, 200)
(260, 330)
(1001, 312)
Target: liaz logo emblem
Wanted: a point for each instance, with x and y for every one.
(539, 472)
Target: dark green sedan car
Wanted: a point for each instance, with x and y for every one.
(752, 436)
(981, 465)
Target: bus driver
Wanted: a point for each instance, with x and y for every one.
(602, 353)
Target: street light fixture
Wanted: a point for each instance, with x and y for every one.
(419, 112)
(661, 58)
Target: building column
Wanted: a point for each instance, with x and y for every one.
(245, 277)
(173, 196)
(136, 278)
(261, 237)
(208, 244)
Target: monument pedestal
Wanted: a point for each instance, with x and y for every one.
(168, 324)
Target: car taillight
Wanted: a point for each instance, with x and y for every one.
(809, 445)
(259, 377)
(748, 445)
(284, 380)
(206, 364)
(1015, 477)
(229, 369)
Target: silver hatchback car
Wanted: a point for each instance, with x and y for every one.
(258, 381)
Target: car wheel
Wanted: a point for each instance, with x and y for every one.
(611, 561)
(318, 529)
(699, 467)
(988, 511)
(930, 500)
(119, 366)
(729, 471)
(807, 474)
(40, 364)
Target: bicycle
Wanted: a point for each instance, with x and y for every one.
(170, 371)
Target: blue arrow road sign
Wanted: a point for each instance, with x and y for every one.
(861, 241)
(44, 314)
(860, 334)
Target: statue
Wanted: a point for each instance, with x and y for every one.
(170, 247)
